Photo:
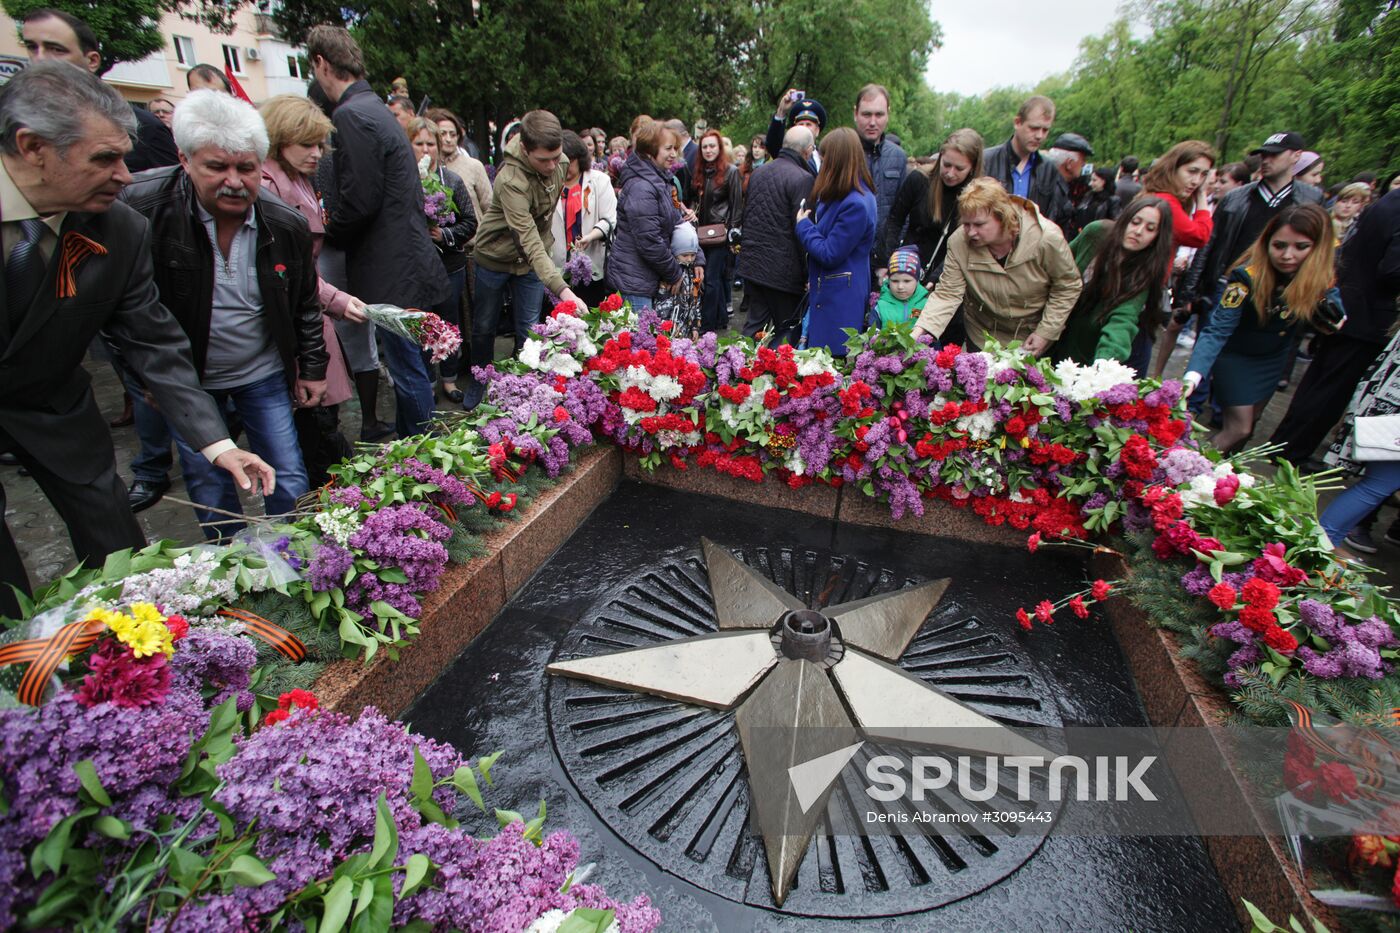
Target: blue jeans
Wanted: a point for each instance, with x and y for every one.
(488, 300)
(413, 390)
(450, 310)
(1382, 477)
(266, 410)
(153, 461)
(639, 303)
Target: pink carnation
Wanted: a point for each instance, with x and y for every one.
(1225, 488)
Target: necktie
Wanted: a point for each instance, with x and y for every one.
(24, 270)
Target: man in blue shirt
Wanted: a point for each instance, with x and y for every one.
(1022, 170)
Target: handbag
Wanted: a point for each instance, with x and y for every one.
(713, 235)
(1376, 437)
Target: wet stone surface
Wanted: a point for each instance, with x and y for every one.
(668, 818)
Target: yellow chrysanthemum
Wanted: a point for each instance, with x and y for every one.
(144, 632)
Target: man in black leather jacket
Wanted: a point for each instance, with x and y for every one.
(235, 267)
(1020, 167)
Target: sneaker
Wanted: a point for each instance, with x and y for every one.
(1360, 540)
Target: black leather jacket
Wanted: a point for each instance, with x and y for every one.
(1047, 188)
(184, 269)
(1213, 261)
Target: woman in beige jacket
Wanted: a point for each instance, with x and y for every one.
(1009, 269)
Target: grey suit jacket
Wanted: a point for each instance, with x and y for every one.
(46, 401)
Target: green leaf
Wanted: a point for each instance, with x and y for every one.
(87, 777)
(366, 895)
(465, 781)
(338, 901)
(486, 762)
(186, 866)
(506, 817)
(422, 784)
(386, 836)
(415, 870)
(111, 827)
(249, 872)
(587, 920)
(1262, 924)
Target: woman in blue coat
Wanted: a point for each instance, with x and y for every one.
(838, 239)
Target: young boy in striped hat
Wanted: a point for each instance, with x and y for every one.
(902, 296)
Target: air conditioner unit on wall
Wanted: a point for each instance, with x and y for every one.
(253, 55)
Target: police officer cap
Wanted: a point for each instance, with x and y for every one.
(808, 109)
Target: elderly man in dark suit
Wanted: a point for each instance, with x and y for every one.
(75, 263)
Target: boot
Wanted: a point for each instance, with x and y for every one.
(367, 388)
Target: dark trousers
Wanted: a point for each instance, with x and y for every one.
(1339, 364)
(714, 300)
(98, 517)
(770, 310)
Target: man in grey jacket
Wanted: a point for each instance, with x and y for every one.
(1022, 170)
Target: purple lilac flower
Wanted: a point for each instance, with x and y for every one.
(1199, 581)
(1007, 376)
(1328, 666)
(328, 566)
(1181, 465)
(1122, 394)
(220, 664)
(1169, 394)
(971, 370)
(1097, 501)
(1063, 408)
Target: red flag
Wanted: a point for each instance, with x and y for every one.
(237, 88)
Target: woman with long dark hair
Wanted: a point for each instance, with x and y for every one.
(925, 209)
(1180, 179)
(1275, 291)
(1100, 201)
(719, 199)
(1124, 264)
(837, 228)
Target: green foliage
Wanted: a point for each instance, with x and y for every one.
(602, 62)
(1262, 924)
(1227, 71)
(129, 30)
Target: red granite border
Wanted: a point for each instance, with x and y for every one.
(1257, 867)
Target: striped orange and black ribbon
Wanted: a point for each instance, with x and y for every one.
(1369, 778)
(448, 512)
(75, 249)
(285, 643)
(44, 655)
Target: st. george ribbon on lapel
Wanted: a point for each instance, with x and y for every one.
(72, 251)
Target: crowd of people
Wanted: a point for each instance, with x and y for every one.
(221, 257)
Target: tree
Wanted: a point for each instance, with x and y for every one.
(129, 30)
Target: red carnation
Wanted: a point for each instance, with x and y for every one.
(560, 413)
(1100, 589)
(1077, 606)
(1024, 619)
(1223, 595)
(611, 303)
(508, 502)
(493, 500)
(1045, 611)
(771, 399)
(566, 307)
(179, 628)
(1338, 781)
(1033, 542)
(667, 325)
(1260, 593)
(1280, 640)
(1257, 619)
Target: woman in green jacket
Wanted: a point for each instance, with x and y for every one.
(1125, 263)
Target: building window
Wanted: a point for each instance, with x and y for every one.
(232, 60)
(294, 66)
(184, 51)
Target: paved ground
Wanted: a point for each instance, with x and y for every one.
(44, 542)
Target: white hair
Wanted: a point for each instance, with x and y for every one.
(213, 118)
(799, 138)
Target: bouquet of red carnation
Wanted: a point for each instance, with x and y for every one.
(424, 328)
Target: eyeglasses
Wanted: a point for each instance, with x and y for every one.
(162, 113)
